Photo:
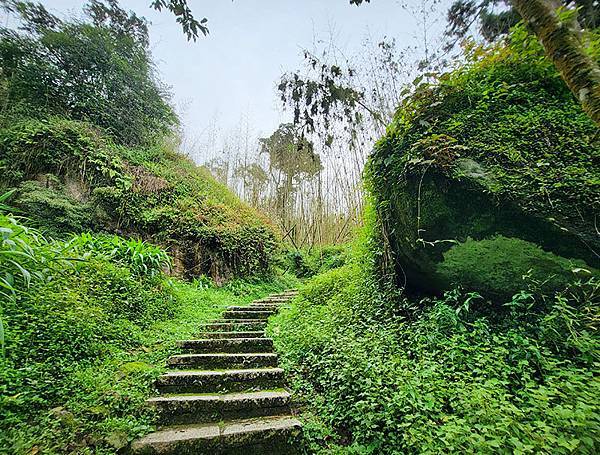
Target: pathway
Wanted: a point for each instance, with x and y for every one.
(225, 394)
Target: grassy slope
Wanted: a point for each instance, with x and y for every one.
(71, 178)
(452, 378)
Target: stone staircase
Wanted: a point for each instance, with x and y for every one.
(225, 394)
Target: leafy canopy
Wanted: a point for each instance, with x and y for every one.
(97, 70)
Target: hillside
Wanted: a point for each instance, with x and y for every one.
(466, 317)
(69, 178)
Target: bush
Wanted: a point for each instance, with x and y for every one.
(498, 266)
(55, 147)
(55, 212)
(444, 381)
(307, 263)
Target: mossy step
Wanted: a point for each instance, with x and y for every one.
(258, 307)
(240, 334)
(243, 380)
(238, 320)
(231, 345)
(234, 326)
(258, 436)
(274, 300)
(222, 360)
(247, 314)
(219, 407)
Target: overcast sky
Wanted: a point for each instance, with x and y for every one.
(234, 70)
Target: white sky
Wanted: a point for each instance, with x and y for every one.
(234, 71)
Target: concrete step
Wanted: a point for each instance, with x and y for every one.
(183, 409)
(236, 325)
(247, 314)
(274, 300)
(201, 381)
(240, 320)
(212, 361)
(231, 345)
(257, 307)
(257, 334)
(259, 436)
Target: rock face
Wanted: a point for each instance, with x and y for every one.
(497, 150)
(432, 212)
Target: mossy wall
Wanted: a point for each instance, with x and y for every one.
(70, 178)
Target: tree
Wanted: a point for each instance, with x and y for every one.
(293, 156)
(254, 179)
(560, 34)
(97, 70)
(494, 18)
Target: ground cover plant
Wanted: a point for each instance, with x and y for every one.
(88, 324)
(378, 375)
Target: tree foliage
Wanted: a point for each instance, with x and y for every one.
(291, 152)
(494, 18)
(97, 70)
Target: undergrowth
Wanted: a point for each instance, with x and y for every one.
(88, 324)
(451, 378)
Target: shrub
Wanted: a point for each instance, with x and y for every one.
(65, 148)
(52, 210)
(307, 263)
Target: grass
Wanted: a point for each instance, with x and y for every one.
(104, 400)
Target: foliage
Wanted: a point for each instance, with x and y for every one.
(449, 379)
(191, 27)
(26, 258)
(71, 178)
(47, 66)
(33, 148)
(307, 263)
(290, 152)
(140, 257)
(55, 211)
(496, 267)
(89, 324)
(494, 23)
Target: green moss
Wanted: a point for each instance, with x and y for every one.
(498, 266)
(497, 146)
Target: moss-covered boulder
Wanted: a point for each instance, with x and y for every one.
(498, 147)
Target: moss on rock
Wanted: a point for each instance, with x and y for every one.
(496, 147)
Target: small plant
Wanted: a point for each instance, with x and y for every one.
(141, 257)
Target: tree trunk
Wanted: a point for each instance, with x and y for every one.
(562, 42)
